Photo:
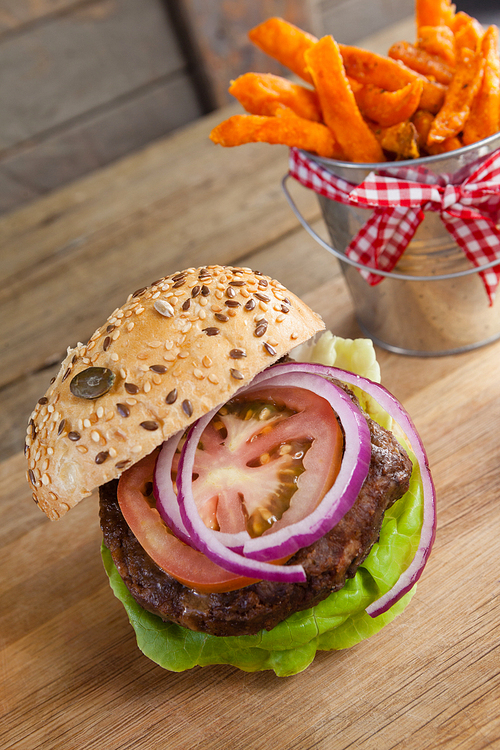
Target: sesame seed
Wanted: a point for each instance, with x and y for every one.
(207, 362)
(87, 423)
(202, 314)
(82, 449)
(213, 379)
(136, 449)
(187, 407)
(100, 412)
(171, 397)
(95, 436)
(123, 410)
(219, 293)
(130, 326)
(184, 354)
(280, 318)
(198, 374)
(147, 386)
(149, 425)
(164, 308)
(294, 335)
(45, 479)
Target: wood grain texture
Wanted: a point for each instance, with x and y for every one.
(219, 31)
(347, 20)
(15, 14)
(79, 61)
(100, 137)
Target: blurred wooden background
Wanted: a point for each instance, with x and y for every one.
(83, 82)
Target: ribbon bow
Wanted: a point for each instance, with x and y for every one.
(470, 211)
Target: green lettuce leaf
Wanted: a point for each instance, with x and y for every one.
(338, 622)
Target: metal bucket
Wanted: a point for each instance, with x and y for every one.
(433, 302)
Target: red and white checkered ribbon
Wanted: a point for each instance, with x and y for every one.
(470, 211)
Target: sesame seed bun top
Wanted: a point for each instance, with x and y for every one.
(175, 350)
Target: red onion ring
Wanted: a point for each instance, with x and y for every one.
(342, 495)
(163, 489)
(204, 538)
(392, 406)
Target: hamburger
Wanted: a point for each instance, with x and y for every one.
(260, 498)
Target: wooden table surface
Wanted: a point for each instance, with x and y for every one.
(70, 674)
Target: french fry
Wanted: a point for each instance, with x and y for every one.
(468, 31)
(368, 67)
(261, 93)
(439, 41)
(284, 42)
(423, 122)
(285, 128)
(340, 111)
(422, 119)
(422, 62)
(400, 139)
(388, 107)
(434, 13)
(449, 144)
(485, 111)
(456, 108)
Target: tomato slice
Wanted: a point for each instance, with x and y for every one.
(187, 565)
(265, 460)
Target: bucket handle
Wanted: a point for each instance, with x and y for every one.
(392, 274)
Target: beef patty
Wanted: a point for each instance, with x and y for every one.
(327, 562)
